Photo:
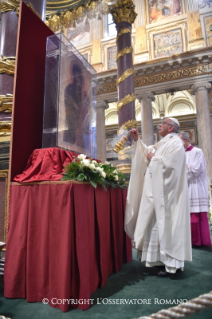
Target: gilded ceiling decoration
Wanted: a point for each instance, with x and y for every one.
(64, 14)
(64, 4)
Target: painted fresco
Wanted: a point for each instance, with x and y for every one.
(167, 43)
(163, 9)
(79, 35)
(112, 53)
(205, 3)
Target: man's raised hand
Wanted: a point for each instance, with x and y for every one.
(134, 134)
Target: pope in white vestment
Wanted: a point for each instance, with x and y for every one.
(198, 193)
(157, 216)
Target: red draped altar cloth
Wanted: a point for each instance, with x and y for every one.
(46, 164)
(64, 240)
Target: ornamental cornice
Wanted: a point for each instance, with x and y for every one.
(190, 64)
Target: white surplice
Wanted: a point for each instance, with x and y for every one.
(157, 216)
(197, 181)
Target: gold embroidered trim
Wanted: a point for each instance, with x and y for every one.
(48, 182)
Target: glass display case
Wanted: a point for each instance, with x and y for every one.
(69, 120)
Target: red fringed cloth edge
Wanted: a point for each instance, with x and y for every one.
(46, 164)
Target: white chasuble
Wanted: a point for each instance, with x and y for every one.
(157, 216)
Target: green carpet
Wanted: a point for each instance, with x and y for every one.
(134, 281)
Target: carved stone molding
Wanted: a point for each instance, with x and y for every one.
(200, 87)
(123, 11)
(169, 75)
(140, 81)
(102, 105)
(147, 95)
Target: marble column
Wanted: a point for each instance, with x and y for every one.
(100, 130)
(8, 38)
(39, 6)
(147, 129)
(127, 111)
(124, 15)
(203, 122)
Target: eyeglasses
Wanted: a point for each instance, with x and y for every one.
(164, 123)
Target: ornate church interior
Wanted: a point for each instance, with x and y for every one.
(169, 76)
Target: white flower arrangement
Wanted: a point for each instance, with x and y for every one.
(88, 170)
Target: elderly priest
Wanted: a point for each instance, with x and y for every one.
(157, 215)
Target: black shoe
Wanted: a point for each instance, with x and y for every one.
(163, 274)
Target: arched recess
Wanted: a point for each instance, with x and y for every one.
(180, 106)
(111, 114)
(155, 113)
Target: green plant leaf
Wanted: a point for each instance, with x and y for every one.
(93, 184)
(66, 178)
(81, 177)
(104, 187)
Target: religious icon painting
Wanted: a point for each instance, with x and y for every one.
(76, 107)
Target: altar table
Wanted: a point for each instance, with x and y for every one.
(64, 240)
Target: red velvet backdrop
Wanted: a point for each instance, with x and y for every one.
(64, 241)
(28, 92)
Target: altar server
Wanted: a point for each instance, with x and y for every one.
(198, 193)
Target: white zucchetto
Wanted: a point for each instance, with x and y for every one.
(174, 120)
